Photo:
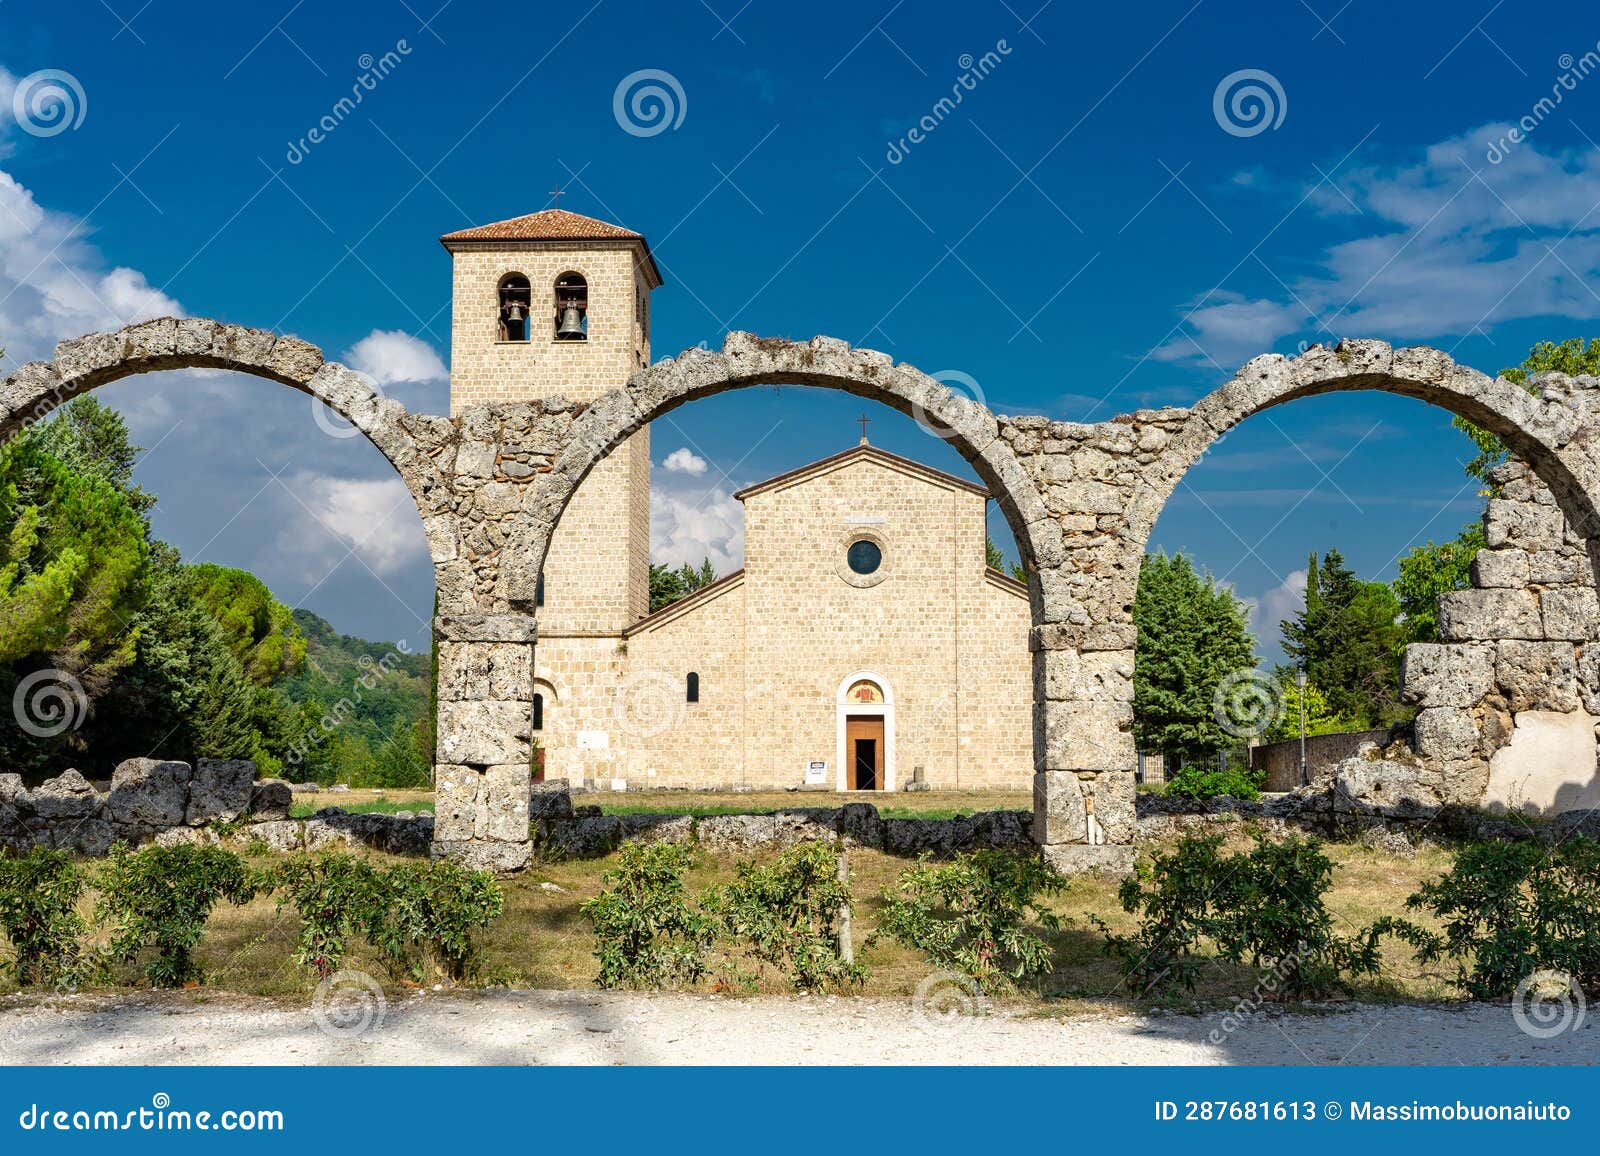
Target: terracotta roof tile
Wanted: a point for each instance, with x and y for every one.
(546, 225)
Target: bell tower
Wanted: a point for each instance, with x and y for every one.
(556, 303)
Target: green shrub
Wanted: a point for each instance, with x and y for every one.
(434, 908)
(160, 897)
(649, 933)
(1263, 908)
(338, 896)
(1510, 909)
(785, 914)
(972, 915)
(1199, 782)
(1171, 894)
(39, 893)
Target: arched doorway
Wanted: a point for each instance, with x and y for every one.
(865, 734)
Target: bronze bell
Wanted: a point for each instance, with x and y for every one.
(571, 327)
(515, 312)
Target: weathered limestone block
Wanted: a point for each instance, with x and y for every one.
(456, 791)
(1104, 676)
(219, 790)
(1563, 567)
(1570, 613)
(1084, 736)
(65, 797)
(270, 799)
(485, 734)
(186, 837)
(1537, 675)
(1062, 802)
(482, 855)
(1507, 569)
(295, 360)
(92, 836)
(1082, 859)
(1446, 732)
(1447, 674)
(11, 790)
(1486, 615)
(1522, 525)
(150, 792)
(1397, 789)
(279, 835)
(1588, 682)
(503, 803)
(551, 799)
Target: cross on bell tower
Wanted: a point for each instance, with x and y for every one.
(863, 419)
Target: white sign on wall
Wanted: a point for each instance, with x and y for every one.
(816, 772)
(593, 740)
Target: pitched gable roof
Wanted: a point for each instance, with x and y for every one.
(863, 453)
(550, 225)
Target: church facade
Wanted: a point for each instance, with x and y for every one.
(864, 646)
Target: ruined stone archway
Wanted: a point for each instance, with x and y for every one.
(745, 361)
(1124, 476)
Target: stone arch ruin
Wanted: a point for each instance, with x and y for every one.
(491, 485)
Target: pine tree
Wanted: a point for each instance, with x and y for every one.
(1348, 639)
(1192, 633)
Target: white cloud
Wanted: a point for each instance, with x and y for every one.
(689, 524)
(1454, 244)
(682, 461)
(54, 284)
(374, 517)
(392, 356)
(1284, 600)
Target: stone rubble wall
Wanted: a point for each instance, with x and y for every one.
(148, 800)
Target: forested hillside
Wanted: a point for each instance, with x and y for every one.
(111, 647)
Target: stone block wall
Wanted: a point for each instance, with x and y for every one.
(1508, 701)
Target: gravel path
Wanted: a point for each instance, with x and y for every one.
(564, 1027)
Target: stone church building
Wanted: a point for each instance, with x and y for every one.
(865, 645)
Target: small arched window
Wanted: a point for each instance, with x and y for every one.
(516, 297)
(692, 690)
(538, 712)
(572, 307)
(538, 592)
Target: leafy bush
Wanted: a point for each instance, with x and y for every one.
(1263, 908)
(1174, 915)
(649, 933)
(39, 893)
(436, 907)
(1510, 909)
(971, 915)
(1202, 782)
(785, 914)
(161, 897)
(337, 896)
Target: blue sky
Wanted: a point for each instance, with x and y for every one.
(1083, 234)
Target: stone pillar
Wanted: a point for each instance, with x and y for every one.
(1083, 639)
(483, 760)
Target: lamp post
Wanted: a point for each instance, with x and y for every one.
(1300, 682)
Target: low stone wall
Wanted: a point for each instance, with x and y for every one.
(1279, 763)
(147, 800)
